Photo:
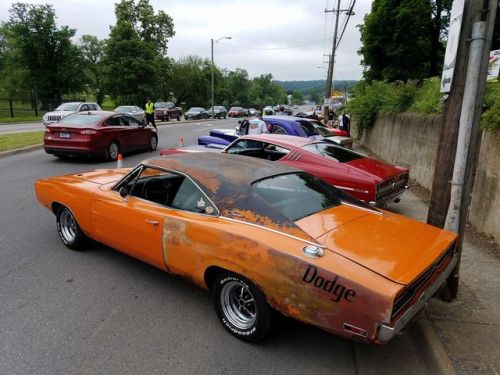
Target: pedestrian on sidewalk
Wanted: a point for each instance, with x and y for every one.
(150, 113)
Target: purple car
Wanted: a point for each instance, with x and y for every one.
(286, 125)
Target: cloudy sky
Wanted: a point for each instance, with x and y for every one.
(283, 37)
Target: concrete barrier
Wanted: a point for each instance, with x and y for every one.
(411, 140)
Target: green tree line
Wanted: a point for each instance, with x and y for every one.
(129, 66)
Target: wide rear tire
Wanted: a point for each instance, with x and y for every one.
(241, 307)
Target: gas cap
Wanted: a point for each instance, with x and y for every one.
(312, 251)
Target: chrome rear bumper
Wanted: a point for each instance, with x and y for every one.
(386, 332)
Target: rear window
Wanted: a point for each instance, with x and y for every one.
(297, 195)
(337, 153)
(79, 119)
(236, 109)
(195, 109)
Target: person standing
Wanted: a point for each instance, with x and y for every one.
(257, 126)
(345, 123)
(150, 113)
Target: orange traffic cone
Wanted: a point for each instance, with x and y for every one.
(119, 163)
(181, 142)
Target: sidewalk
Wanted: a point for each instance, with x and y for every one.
(469, 327)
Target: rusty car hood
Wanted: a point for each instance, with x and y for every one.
(391, 245)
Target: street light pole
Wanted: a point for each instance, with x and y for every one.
(212, 42)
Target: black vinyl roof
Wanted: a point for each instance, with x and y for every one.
(227, 180)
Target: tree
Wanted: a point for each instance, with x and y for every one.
(191, 81)
(402, 39)
(135, 53)
(37, 52)
(238, 85)
(92, 50)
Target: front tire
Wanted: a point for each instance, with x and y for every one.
(153, 143)
(241, 307)
(68, 229)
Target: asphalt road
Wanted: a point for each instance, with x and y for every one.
(101, 312)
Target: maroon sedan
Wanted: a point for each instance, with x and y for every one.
(370, 180)
(98, 133)
(236, 112)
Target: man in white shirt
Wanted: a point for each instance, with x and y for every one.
(257, 126)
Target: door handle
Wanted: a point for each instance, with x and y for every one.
(152, 222)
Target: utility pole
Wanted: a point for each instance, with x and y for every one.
(329, 83)
(462, 108)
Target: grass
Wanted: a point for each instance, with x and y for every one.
(19, 140)
(10, 120)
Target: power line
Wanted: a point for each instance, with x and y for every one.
(276, 48)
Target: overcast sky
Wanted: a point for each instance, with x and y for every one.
(254, 25)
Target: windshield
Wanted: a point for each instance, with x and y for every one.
(160, 105)
(236, 109)
(68, 107)
(297, 195)
(124, 109)
(80, 119)
(323, 131)
(195, 109)
(337, 153)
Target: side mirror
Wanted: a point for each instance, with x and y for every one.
(123, 192)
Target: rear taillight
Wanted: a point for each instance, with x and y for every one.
(88, 132)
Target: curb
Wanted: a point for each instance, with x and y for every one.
(21, 150)
(431, 348)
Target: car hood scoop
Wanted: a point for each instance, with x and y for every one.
(393, 246)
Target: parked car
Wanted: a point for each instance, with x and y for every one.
(100, 134)
(307, 114)
(252, 112)
(236, 112)
(66, 109)
(326, 130)
(295, 107)
(367, 179)
(260, 236)
(165, 111)
(196, 113)
(286, 125)
(131, 110)
(268, 110)
(219, 111)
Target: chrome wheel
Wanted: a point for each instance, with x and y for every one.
(238, 305)
(67, 226)
(113, 151)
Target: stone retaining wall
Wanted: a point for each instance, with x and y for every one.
(410, 140)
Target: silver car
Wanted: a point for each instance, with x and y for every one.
(132, 110)
(66, 109)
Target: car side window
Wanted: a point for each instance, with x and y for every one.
(133, 122)
(117, 121)
(84, 107)
(278, 129)
(93, 107)
(171, 190)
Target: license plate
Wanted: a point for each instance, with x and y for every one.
(64, 135)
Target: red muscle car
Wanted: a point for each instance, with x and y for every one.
(368, 179)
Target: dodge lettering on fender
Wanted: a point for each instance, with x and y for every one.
(261, 236)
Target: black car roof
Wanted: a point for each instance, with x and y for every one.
(227, 180)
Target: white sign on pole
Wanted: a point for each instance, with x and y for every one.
(457, 11)
(494, 64)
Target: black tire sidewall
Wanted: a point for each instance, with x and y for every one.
(149, 146)
(80, 238)
(108, 155)
(261, 326)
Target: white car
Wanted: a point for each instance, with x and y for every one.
(268, 110)
(133, 111)
(66, 109)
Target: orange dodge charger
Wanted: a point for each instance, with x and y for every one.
(261, 236)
